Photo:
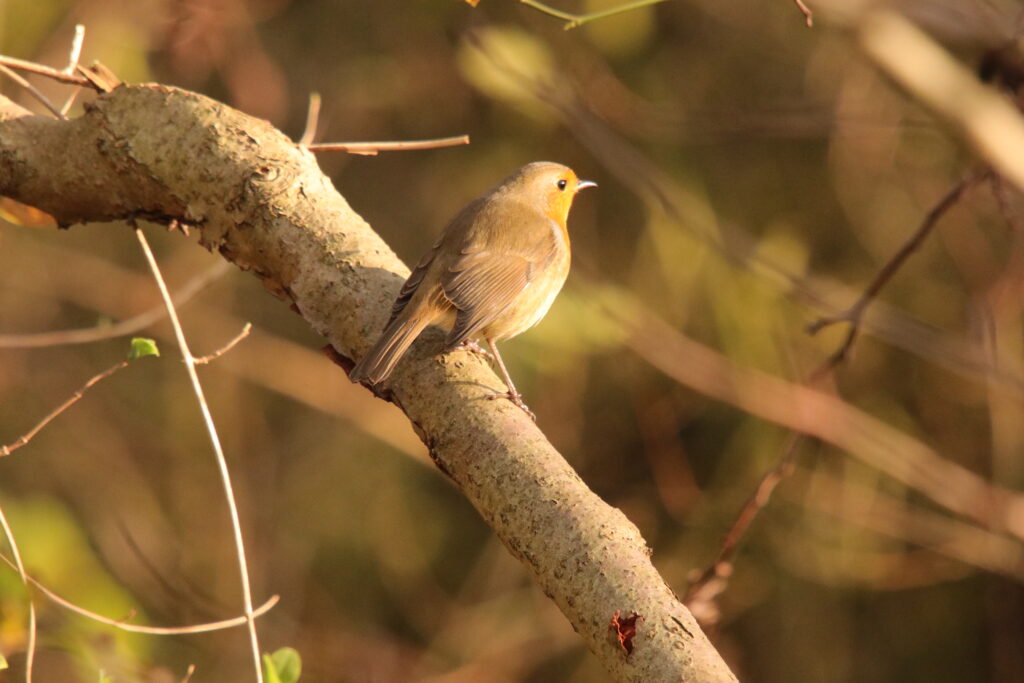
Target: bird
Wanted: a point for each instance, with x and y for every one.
(492, 274)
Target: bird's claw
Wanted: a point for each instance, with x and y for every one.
(472, 346)
(517, 399)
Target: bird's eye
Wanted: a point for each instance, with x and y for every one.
(561, 184)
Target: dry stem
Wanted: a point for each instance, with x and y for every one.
(574, 20)
(124, 327)
(135, 628)
(40, 97)
(855, 313)
(372, 148)
(211, 429)
(28, 436)
(30, 648)
(203, 360)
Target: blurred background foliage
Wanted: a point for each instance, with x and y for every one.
(737, 151)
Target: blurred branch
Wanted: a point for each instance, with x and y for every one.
(854, 314)
(990, 123)
(30, 646)
(149, 630)
(574, 20)
(127, 326)
(211, 430)
(262, 203)
(823, 416)
(1002, 197)
(28, 436)
(372, 148)
(885, 514)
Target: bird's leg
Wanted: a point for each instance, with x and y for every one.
(472, 346)
(511, 394)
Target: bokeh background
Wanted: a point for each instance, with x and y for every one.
(754, 174)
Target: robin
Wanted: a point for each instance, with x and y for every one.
(492, 274)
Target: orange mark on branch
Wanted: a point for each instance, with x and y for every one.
(625, 629)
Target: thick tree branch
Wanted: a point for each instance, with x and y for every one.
(261, 201)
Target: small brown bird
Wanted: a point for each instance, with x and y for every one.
(492, 274)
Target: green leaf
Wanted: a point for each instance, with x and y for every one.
(284, 666)
(269, 670)
(142, 347)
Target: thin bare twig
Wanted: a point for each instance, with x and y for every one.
(43, 99)
(372, 148)
(125, 327)
(211, 428)
(49, 72)
(312, 119)
(76, 49)
(808, 14)
(72, 67)
(855, 313)
(30, 647)
(227, 347)
(188, 674)
(25, 438)
(707, 585)
(573, 20)
(149, 630)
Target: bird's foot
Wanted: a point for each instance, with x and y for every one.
(517, 399)
(472, 346)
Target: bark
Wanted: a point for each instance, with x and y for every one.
(167, 155)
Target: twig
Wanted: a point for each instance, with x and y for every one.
(25, 438)
(371, 148)
(808, 14)
(149, 630)
(312, 118)
(573, 20)
(30, 648)
(855, 313)
(43, 99)
(190, 366)
(227, 347)
(55, 74)
(72, 67)
(188, 674)
(76, 49)
(127, 326)
(706, 586)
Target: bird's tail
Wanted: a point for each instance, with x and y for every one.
(380, 360)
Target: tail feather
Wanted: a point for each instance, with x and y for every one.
(380, 360)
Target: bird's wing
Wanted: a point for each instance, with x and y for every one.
(481, 285)
(415, 278)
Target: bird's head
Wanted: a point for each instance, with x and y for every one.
(553, 186)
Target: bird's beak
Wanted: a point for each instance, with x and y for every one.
(584, 184)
